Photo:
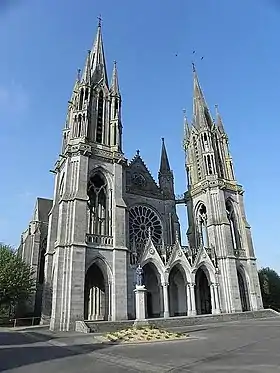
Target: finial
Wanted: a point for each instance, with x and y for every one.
(99, 20)
(162, 139)
(137, 152)
(217, 108)
(193, 67)
(115, 63)
(79, 74)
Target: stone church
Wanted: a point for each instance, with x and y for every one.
(109, 214)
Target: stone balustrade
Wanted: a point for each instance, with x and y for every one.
(95, 239)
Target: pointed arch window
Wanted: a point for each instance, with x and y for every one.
(235, 237)
(205, 142)
(99, 124)
(74, 130)
(79, 125)
(86, 94)
(61, 186)
(98, 205)
(81, 99)
(210, 168)
(202, 226)
(116, 107)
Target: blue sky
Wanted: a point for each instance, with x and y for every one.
(44, 42)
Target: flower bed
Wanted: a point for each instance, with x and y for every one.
(142, 334)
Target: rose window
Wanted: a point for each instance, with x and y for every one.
(141, 220)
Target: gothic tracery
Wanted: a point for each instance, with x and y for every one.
(98, 205)
(143, 220)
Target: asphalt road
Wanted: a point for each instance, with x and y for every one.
(245, 346)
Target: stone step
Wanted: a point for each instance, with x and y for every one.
(172, 322)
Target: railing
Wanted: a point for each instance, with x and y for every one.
(99, 240)
(21, 321)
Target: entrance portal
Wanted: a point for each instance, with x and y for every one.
(96, 295)
(243, 292)
(152, 283)
(177, 292)
(203, 295)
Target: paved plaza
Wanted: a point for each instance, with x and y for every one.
(239, 346)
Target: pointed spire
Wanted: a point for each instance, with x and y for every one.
(87, 73)
(200, 108)
(186, 126)
(197, 91)
(114, 88)
(96, 57)
(219, 121)
(164, 163)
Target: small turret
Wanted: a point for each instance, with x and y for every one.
(165, 175)
(115, 113)
(219, 122)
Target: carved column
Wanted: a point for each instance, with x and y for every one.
(214, 299)
(192, 311)
(90, 304)
(109, 302)
(93, 316)
(165, 300)
(217, 299)
(213, 303)
(189, 305)
(97, 303)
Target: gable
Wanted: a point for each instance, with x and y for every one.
(139, 179)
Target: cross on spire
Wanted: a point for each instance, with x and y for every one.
(99, 20)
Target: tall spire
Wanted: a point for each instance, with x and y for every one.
(114, 88)
(201, 116)
(164, 163)
(95, 62)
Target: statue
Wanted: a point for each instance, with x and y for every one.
(139, 276)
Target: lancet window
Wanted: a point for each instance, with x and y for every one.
(235, 237)
(99, 124)
(202, 226)
(98, 205)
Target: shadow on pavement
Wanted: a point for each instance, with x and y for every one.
(15, 357)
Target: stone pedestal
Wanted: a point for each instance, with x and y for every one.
(140, 302)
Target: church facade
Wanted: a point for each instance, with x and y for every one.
(108, 215)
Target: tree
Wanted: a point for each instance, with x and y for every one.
(16, 278)
(270, 288)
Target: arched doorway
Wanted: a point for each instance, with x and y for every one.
(243, 291)
(96, 294)
(177, 292)
(203, 295)
(152, 283)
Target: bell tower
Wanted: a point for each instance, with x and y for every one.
(215, 207)
(86, 249)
